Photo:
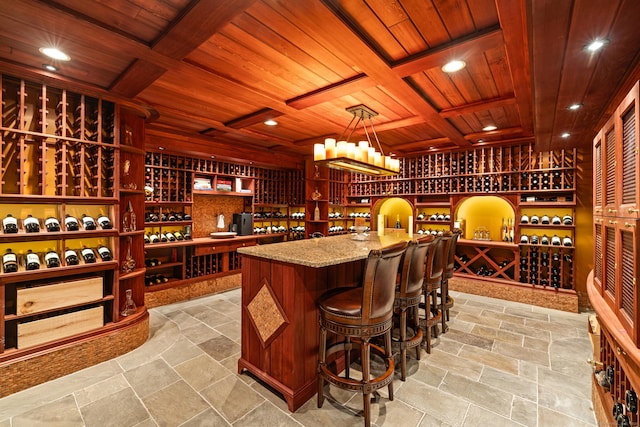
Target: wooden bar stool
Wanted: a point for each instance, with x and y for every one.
(361, 313)
(434, 267)
(408, 296)
(446, 301)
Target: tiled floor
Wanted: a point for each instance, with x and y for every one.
(500, 364)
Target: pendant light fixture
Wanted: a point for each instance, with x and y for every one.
(365, 157)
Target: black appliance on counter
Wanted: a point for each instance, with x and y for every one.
(242, 224)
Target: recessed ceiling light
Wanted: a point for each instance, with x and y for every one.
(161, 148)
(481, 140)
(574, 106)
(566, 135)
(489, 128)
(270, 122)
(55, 53)
(596, 45)
(49, 67)
(213, 157)
(453, 66)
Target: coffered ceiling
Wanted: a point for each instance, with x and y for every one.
(214, 71)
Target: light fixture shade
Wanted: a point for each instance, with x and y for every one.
(357, 158)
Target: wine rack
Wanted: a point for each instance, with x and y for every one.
(61, 157)
(542, 183)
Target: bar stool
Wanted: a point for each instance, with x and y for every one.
(434, 268)
(362, 312)
(408, 296)
(446, 300)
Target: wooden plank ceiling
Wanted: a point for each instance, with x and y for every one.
(215, 70)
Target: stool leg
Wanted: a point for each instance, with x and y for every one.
(365, 355)
(347, 356)
(389, 354)
(444, 293)
(403, 343)
(321, 361)
(416, 326)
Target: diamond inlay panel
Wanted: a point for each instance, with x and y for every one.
(266, 314)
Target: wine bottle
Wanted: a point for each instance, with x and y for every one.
(316, 213)
(505, 231)
(88, 255)
(51, 259)
(398, 225)
(105, 253)
(10, 224)
(88, 223)
(170, 236)
(153, 238)
(71, 257)
(70, 223)
(163, 237)
(31, 224)
(147, 239)
(511, 228)
(52, 224)
(105, 222)
(178, 235)
(31, 261)
(10, 261)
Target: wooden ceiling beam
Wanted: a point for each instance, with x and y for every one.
(461, 48)
(493, 133)
(513, 21)
(195, 26)
(329, 93)
(253, 118)
(477, 106)
(425, 144)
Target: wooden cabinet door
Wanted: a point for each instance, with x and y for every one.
(629, 172)
(598, 176)
(598, 253)
(628, 299)
(609, 169)
(609, 244)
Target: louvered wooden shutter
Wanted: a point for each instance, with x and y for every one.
(627, 303)
(598, 254)
(598, 172)
(629, 157)
(610, 261)
(610, 147)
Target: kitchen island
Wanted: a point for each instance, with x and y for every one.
(280, 285)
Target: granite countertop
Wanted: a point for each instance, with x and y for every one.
(324, 251)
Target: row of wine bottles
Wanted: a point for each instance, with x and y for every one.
(169, 236)
(31, 224)
(33, 260)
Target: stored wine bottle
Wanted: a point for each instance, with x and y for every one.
(88, 223)
(170, 236)
(70, 223)
(88, 255)
(153, 238)
(10, 224)
(163, 237)
(52, 224)
(31, 261)
(147, 239)
(178, 235)
(398, 225)
(105, 253)
(31, 224)
(51, 259)
(9, 262)
(71, 257)
(105, 222)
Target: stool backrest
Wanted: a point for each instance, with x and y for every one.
(379, 281)
(414, 265)
(435, 261)
(451, 255)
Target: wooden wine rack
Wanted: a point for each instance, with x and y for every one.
(61, 155)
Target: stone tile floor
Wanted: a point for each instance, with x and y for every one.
(500, 364)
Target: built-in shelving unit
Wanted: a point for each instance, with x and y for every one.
(66, 155)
